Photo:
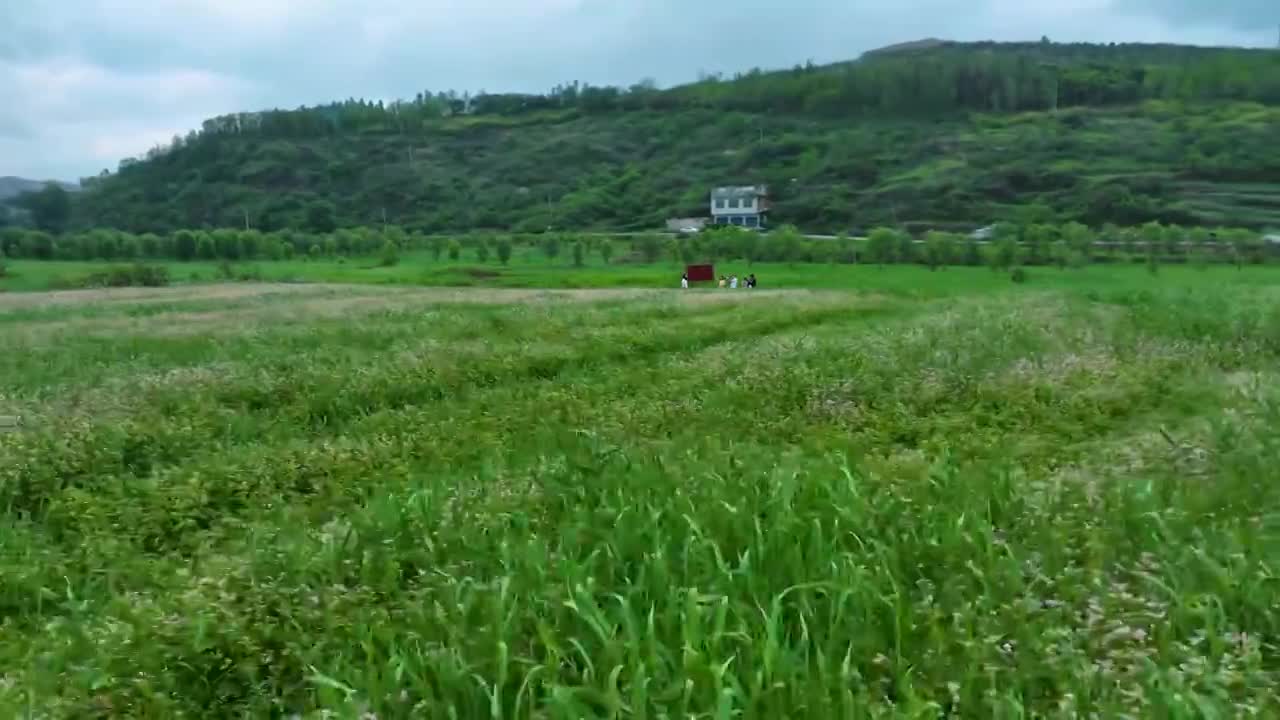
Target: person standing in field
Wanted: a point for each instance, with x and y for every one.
(733, 282)
(751, 281)
(684, 281)
(723, 282)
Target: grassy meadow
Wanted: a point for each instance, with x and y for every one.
(529, 269)
(897, 493)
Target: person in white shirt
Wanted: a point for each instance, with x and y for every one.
(684, 281)
(733, 282)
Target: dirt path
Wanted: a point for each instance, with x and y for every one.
(236, 291)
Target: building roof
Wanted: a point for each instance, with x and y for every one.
(738, 192)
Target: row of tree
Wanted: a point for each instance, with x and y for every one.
(1005, 244)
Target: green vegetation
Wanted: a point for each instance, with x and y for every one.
(945, 136)
(784, 259)
(260, 500)
(367, 255)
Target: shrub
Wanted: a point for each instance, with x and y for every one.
(204, 248)
(137, 275)
(455, 249)
(882, 244)
(579, 254)
(3, 268)
(184, 245)
(482, 251)
(1019, 275)
(551, 246)
(504, 250)
(390, 254)
(606, 251)
(650, 248)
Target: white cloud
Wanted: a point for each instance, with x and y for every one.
(69, 117)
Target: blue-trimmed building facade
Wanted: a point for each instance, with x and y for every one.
(745, 205)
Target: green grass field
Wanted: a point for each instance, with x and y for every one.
(530, 270)
(936, 495)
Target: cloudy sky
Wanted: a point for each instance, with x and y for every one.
(84, 83)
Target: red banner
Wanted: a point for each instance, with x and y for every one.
(701, 273)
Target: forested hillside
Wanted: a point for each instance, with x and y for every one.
(924, 135)
(11, 187)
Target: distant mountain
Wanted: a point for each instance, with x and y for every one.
(11, 187)
(925, 44)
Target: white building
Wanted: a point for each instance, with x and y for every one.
(744, 205)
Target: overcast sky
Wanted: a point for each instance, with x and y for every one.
(84, 83)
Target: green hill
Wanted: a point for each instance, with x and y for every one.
(11, 187)
(930, 134)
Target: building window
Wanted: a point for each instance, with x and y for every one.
(720, 203)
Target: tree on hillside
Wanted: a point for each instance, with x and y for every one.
(649, 247)
(204, 247)
(39, 245)
(482, 251)
(50, 207)
(149, 245)
(390, 254)
(1079, 239)
(846, 250)
(1152, 235)
(1006, 253)
(1243, 244)
(1172, 239)
(906, 250)
(455, 249)
(250, 244)
(678, 249)
(3, 269)
(751, 247)
(504, 250)
(882, 244)
(787, 243)
(184, 245)
(579, 254)
(106, 245)
(129, 247)
(320, 218)
(226, 244)
(551, 246)
(1037, 240)
(606, 251)
(937, 249)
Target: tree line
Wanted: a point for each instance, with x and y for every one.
(1005, 245)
